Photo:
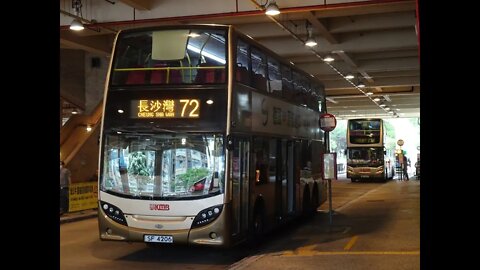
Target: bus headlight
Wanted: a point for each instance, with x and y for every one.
(114, 213)
(207, 215)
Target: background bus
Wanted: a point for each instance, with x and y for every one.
(367, 157)
(207, 138)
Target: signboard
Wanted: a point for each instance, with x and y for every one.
(327, 122)
(165, 108)
(83, 196)
(330, 166)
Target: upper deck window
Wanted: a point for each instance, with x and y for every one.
(177, 56)
(364, 131)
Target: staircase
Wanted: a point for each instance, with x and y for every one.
(79, 147)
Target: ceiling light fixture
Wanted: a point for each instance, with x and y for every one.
(76, 24)
(310, 42)
(272, 8)
(349, 76)
(360, 84)
(328, 58)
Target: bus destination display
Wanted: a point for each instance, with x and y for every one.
(165, 108)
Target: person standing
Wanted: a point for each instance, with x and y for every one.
(405, 166)
(64, 187)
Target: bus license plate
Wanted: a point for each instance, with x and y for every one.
(158, 238)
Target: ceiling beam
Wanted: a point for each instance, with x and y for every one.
(139, 4)
(310, 16)
(381, 41)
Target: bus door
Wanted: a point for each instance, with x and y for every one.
(240, 179)
(291, 168)
(287, 177)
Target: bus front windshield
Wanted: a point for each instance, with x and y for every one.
(171, 56)
(366, 156)
(166, 166)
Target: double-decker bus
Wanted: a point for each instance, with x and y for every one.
(208, 138)
(367, 157)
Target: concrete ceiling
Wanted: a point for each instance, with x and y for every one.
(375, 40)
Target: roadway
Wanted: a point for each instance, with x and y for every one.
(374, 226)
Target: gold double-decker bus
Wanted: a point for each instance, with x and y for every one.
(367, 157)
(208, 138)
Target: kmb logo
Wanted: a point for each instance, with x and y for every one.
(159, 207)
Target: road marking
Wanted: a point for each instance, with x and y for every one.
(350, 243)
(301, 251)
(319, 253)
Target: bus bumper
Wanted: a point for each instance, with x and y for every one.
(365, 173)
(215, 233)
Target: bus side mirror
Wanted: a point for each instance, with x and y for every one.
(345, 152)
(384, 152)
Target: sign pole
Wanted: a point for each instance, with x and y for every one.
(327, 123)
(330, 211)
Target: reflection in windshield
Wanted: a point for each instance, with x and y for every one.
(167, 165)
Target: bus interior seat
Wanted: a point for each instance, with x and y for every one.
(220, 75)
(259, 82)
(175, 76)
(158, 76)
(205, 75)
(242, 75)
(136, 76)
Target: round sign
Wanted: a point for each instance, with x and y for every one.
(400, 142)
(327, 122)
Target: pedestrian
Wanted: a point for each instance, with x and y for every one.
(64, 187)
(405, 165)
